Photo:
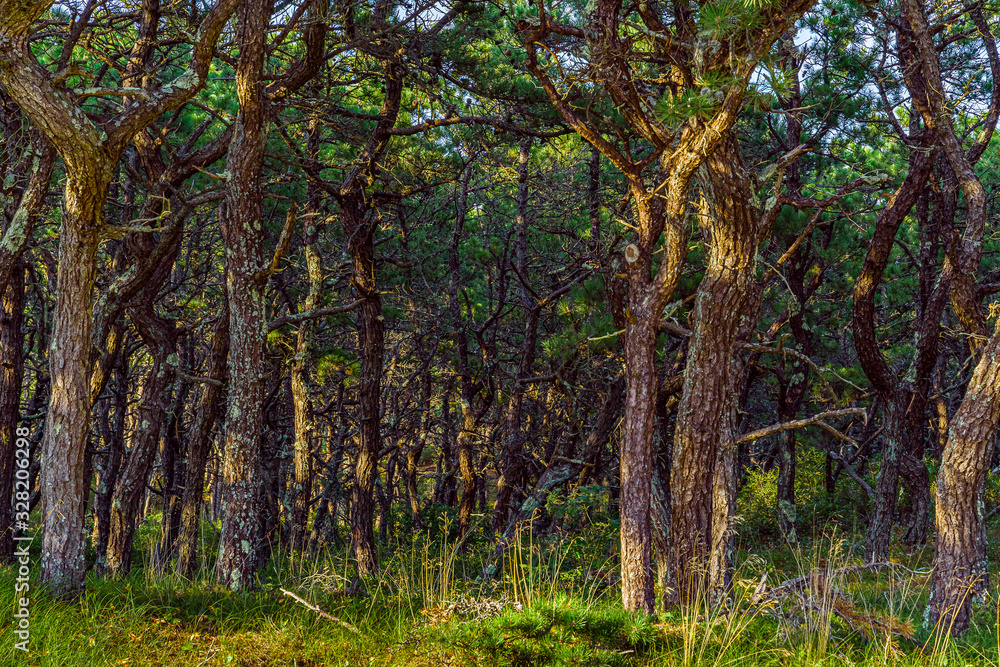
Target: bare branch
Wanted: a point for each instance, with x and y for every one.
(815, 420)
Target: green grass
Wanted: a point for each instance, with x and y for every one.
(552, 604)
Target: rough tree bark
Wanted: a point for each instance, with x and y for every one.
(11, 376)
(359, 221)
(961, 575)
(244, 236)
(90, 152)
(612, 60)
(702, 482)
(28, 177)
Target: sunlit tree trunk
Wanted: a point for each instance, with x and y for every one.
(702, 480)
(961, 573)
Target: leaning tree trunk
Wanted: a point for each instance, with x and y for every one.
(882, 378)
(961, 575)
(160, 337)
(243, 235)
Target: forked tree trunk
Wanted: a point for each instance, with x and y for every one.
(702, 480)
(90, 152)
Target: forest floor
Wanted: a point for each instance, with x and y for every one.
(554, 602)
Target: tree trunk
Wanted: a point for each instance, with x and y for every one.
(445, 492)
(199, 444)
(243, 235)
(90, 152)
(371, 342)
(961, 575)
(11, 376)
(636, 460)
(417, 448)
(68, 419)
(359, 226)
(702, 480)
(172, 465)
(561, 472)
(160, 337)
(303, 361)
(131, 487)
(787, 521)
(512, 475)
(113, 436)
(466, 465)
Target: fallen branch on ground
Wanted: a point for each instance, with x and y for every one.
(319, 611)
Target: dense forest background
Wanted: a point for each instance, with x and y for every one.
(676, 284)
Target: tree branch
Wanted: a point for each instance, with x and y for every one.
(815, 420)
(311, 315)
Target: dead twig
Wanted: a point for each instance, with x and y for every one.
(319, 611)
